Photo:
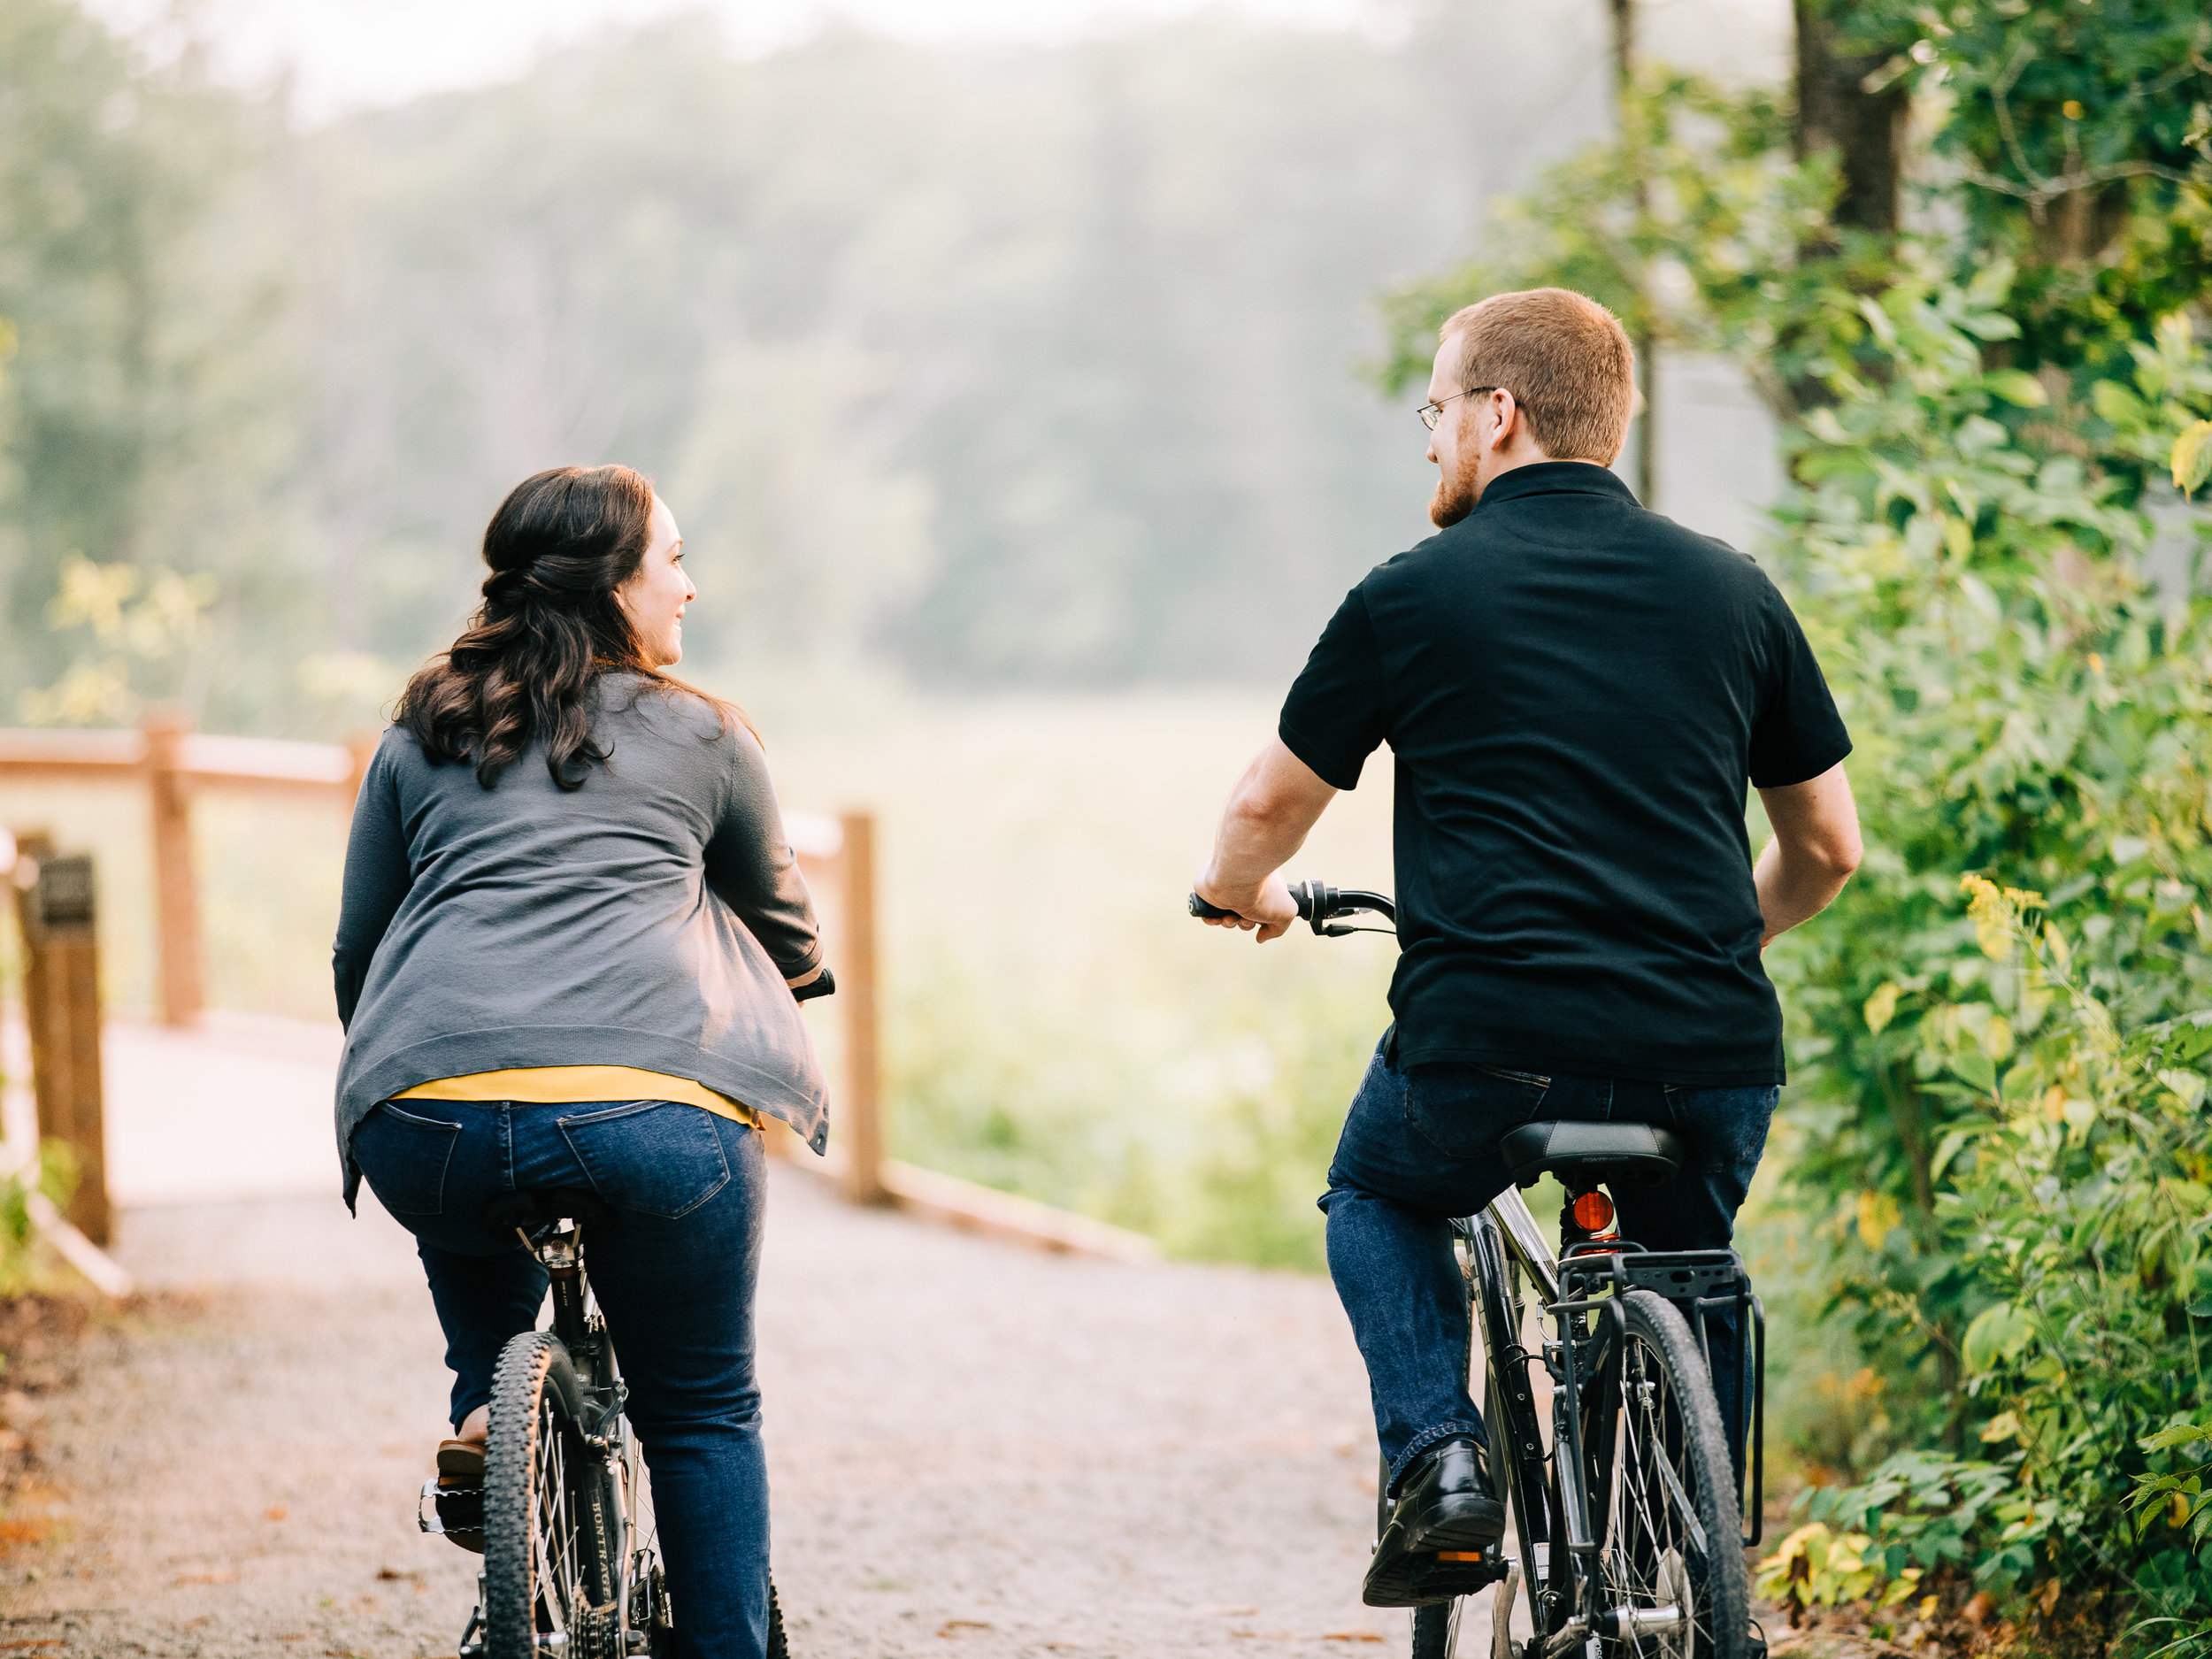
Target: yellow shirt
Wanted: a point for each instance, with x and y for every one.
(558, 1085)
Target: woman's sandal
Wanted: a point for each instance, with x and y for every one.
(461, 1492)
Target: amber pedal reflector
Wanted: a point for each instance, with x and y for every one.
(1594, 1212)
(1459, 1555)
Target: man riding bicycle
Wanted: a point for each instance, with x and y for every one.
(1577, 694)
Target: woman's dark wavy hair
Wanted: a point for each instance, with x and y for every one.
(531, 658)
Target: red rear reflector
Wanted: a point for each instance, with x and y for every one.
(1594, 1212)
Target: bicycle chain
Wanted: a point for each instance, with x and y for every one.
(597, 1634)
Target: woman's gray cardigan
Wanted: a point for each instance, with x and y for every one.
(648, 918)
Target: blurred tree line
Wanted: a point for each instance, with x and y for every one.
(1966, 257)
(1024, 367)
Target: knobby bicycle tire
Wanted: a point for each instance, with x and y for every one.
(1668, 1528)
(1436, 1627)
(548, 1562)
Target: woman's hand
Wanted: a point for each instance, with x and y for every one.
(821, 982)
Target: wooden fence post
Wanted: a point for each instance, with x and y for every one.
(861, 1121)
(176, 897)
(360, 750)
(61, 1008)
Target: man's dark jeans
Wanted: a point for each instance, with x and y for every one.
(1421, 1146)
(673, 1273)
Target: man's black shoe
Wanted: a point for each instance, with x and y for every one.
(1444, 1511)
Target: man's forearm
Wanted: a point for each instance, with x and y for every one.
(1815, 849)
(1793, 890)
(1252, 844)
(1277, 801)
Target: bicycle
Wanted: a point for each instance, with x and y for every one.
(571, 1560)
(1626, 1501)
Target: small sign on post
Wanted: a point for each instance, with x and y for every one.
(61, 1007)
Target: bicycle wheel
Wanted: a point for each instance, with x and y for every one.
(548, 1571)
(1436, 1629)
(1519, 1464)
(1672, 1563)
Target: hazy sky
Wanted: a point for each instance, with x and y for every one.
(352, 54)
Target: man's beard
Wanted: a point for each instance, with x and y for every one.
(1455, 497)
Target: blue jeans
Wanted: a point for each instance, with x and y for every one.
(673, 1273)
(1420, 1147)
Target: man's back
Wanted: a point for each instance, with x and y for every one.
(1576, 692)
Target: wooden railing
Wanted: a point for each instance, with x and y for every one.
(172, 764)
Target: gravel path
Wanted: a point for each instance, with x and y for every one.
(975, 1449)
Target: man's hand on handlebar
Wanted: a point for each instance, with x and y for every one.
(1270, 909)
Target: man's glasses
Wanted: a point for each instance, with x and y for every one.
(1431, 413)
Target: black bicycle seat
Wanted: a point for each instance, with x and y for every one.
(1581, 1155)
(533, 1209)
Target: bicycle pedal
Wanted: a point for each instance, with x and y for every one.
(1456, 1573)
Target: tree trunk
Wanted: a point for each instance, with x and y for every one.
(1836, 112)
(1646, 346)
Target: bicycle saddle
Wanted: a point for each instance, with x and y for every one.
(1581, 1155)
(534, 1209)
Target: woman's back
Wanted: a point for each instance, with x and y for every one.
(569, 961)
(648, 918)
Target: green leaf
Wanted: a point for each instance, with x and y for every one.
(2192, 456)
(1978, 1068)
(2018, 387)
(1998, 1333)
(1881, 1008)
(2116, 403)
(2188, 1085)
(2173, 1434)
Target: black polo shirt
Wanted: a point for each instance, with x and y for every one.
(1578, 693)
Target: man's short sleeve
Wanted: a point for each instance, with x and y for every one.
(1797, 734)
(1333, 718)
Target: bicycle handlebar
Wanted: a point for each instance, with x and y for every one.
(1318, 904)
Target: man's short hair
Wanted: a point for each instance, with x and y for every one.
(1566, 358)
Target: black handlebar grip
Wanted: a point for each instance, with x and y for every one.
(1206, 912)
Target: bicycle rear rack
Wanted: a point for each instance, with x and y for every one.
(1705, 1282)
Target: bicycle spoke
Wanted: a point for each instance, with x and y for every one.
(554, 1538)
(1653, 1535)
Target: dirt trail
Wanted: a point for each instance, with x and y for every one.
(974, 1449)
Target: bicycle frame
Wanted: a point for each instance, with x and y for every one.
(1553, 1515)
(576, 1321)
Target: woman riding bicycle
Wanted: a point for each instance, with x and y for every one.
(569, 956)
